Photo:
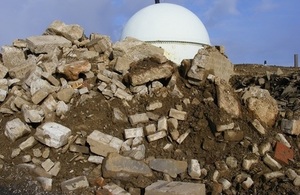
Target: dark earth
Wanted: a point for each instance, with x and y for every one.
(95, 113)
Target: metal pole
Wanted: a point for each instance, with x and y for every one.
(296, 60)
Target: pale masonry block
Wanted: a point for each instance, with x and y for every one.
(134, 132)
(179, 115)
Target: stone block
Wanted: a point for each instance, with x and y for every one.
(290, 126)
(156, 136)
(177, 114)
(46, 43)
(20, 72)
(154, 105)
(55, 169)
(28, 143)
(122, 64)
(117, 166)
(150, 129)
(162, 124)
(115, 189)
(61, 108)
(32, 115)
(134, 132)
(71, 32)
(283, 153)
(39, 96)
(102, 144)
(227, 100)
(138, 118)
(47, 164)
(149, 74)
(12, 57)
(25, 159)
(3, 94)
(261, 104)
(52, 134)
(95, 159)
(175, 188)
(65, 94)
(74, 184)
(72, 70)
(122, 94)
(210, 58)
(3, 71)
(280, 137)
(194, 169)
(169, 166)
(15, 129)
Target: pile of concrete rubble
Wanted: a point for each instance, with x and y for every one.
(41, 76)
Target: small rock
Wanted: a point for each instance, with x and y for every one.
(45, 182)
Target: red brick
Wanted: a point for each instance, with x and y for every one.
(283, 154)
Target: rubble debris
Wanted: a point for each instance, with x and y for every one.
(123, 118)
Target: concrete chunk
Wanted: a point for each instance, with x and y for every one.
(175, 188)
(258, 126)
(52, 134)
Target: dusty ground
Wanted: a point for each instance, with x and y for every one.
(96, 113)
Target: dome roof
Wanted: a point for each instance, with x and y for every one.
(166, 22)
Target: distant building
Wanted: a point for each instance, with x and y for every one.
(174, 28)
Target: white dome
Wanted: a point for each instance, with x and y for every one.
(174, 28)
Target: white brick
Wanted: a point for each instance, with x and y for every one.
(134, 132)
(183, 137)
(179, 115)
(96, 159)
(162, 124)
(154, 106)
(257, 125)
(74, 184)
(150, 129)
(138, 118)
(273, 164)
(157, 136)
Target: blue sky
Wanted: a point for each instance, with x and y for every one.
(251, 30)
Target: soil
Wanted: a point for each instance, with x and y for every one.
(90, 113)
